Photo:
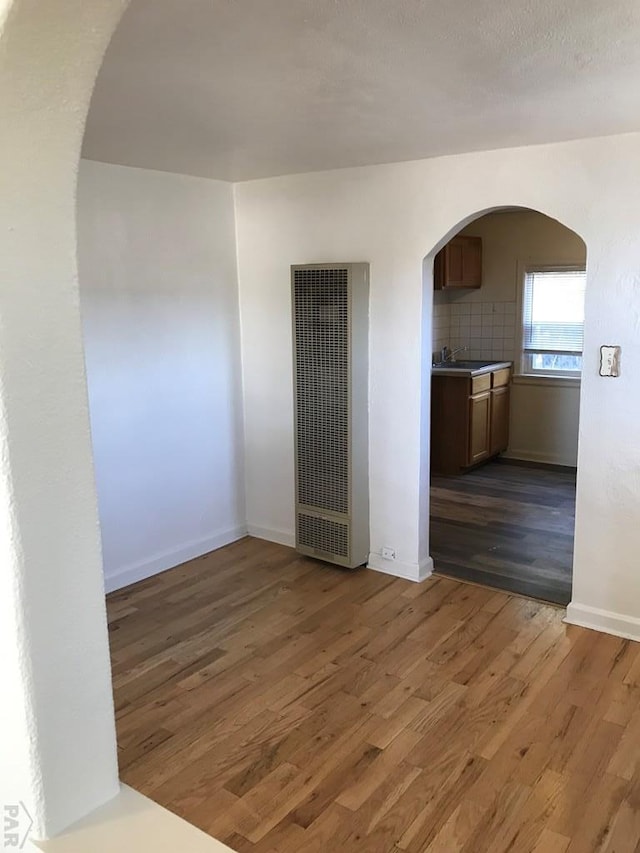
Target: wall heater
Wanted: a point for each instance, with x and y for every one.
(330, 355)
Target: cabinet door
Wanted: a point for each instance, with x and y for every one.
(500, 419)
(438, 270)
(463, 262)
(472, 262)
(454, 263)
(479, 427)
(459, 264)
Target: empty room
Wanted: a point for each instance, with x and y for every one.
(318, 421)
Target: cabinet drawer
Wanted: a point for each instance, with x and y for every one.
(481, 383)
(501, 377)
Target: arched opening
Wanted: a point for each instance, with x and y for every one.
(58, 735)
(503, 366)
(58, 741)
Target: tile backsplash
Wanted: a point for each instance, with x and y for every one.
(441, 326)
(486, 329)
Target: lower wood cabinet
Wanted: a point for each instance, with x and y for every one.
(500, 406)
(480, 420)
(469, 419)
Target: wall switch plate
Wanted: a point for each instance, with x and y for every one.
(610, 361)
(388, 554)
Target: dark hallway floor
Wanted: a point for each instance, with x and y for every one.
(506, 526)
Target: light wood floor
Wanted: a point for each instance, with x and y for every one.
(283, 705)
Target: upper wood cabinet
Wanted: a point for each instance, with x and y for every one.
(459, 264)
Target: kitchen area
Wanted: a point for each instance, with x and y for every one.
(505, 403)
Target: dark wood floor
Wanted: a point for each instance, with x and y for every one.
(507, 526)
(285, 706)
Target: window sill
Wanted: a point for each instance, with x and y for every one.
(547, 381)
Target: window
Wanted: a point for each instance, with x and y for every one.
(552, 321)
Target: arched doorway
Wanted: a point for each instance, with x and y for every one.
(506, 526)
(59, 756)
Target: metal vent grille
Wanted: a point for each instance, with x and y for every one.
(323, 534)
(321, 316)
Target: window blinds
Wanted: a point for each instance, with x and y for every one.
(553, 311)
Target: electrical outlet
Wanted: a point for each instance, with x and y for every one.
(388, 554)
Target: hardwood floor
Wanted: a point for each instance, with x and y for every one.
(283, 706)
(506, 526)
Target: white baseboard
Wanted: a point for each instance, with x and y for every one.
(161, 562)
(281, 537)
(416, 572)
(546, 458)
(605, 621)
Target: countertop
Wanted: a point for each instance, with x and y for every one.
(452, 370)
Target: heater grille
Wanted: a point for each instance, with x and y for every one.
(330, 356)
(323, 534)
(321, 318)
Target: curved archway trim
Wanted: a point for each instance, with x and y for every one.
(58, 725)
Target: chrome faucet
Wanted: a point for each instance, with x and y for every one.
(446, 355)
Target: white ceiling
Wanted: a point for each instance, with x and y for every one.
(239, 89)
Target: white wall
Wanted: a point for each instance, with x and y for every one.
(57, 733)
(159, 300)
(544, 412)
(392, 216)
(544, 420)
